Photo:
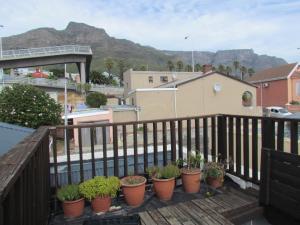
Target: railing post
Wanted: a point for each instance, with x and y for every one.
(222, 138)
(268, 133)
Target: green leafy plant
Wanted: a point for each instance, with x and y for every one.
(166, 172)
(214, 170)
(96, 99)
(132, 180)
(28, 106)
(99, 187)
(68, 193)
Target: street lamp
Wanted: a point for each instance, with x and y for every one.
(185, 38)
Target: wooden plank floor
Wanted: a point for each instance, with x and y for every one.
(214, 210)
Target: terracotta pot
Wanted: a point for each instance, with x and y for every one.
(134, 193)
(214, 182)
(191, 180)
(73, 209)
(101, 204)
(164, 188)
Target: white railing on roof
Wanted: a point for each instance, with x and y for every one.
(46, 51)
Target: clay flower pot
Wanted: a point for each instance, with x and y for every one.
(191, 180)
(73, 209)
(215, 182)
(164, 188)
(133, 188)
(101, 204)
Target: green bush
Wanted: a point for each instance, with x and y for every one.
(214, 170)
(166, 172)
(28, 106)
(68, 193)
(99, 187)
(96, 99)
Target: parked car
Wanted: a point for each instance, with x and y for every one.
(275, 111)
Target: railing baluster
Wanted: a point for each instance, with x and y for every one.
(222, 138)
(197, 136)
(246, 147)
(213, 138)
(294, 137)
(173, 141)
(68, 156)
(125, 150)
(116, 153)
(280, 135)
(135, 149)
(268, 133)
(205, 139)
(238, 145)
(155, 155)
(254, 150)
(80, 155)
(189, 136)
(230, 144)
(93, 151)
(180, 151)
(104, 151)
(145, 137)
(165, 153)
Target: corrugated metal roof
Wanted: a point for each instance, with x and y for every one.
(11, 134)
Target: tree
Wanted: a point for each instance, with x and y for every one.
(58, 72)
(143, 68)
(170, 65)
(251, 71)
(109, 64)
(188, 68)
(28, 106)
(198, 67)
(228, 70)
(221, 68)
(96, 99)
(243, 70)
(122, 68)
(179, 65)
(236, 65)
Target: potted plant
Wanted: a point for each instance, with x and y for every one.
(133, 188)
(164, 180)
(73, 203)
(191, 173)
(99, 191)
(214, 173)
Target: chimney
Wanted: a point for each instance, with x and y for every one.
(207, 68)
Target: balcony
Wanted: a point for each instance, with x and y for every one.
(32, 171)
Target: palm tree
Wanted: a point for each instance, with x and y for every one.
(170, 65)
(236, 65)
(243, 70)
(198, 67)
(109, 64)
(221, 68)
(188, 68)
(228, 70)
(179, 65)
(121, 67)
(251, 71)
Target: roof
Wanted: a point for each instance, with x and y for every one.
(181, 82)
(119, 108)
(276, 73)
(84, 113)
(11, 134)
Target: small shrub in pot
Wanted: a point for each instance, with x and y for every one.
(133, 188)
(72, 201)
(214, 173)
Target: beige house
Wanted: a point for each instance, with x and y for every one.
(192, 95)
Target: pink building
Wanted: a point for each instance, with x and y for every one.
(279, 86)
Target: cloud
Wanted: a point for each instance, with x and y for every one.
(268, 27)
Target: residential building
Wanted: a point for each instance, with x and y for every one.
(279, 86)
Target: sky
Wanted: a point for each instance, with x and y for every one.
(267, 26)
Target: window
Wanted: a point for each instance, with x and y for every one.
(247, 98)
(150, 78)
(164, 79)
(298, 88)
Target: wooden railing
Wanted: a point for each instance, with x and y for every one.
(24, 181)
(131, 147)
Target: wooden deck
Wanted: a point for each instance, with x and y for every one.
(225, 208)
(229, 205)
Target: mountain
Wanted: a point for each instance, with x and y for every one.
(135, 55)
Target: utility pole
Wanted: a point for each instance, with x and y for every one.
(66, 107)
(193, 63)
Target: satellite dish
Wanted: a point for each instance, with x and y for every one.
(217, 87)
